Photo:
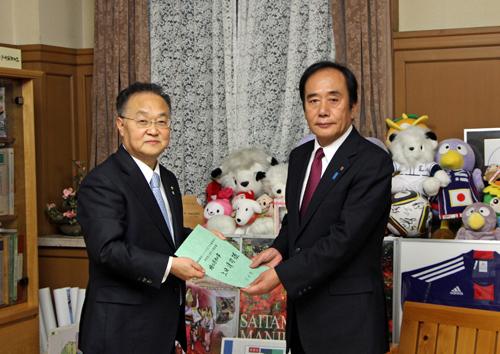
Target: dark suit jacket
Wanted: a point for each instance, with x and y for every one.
(127, 309)
(332, 257)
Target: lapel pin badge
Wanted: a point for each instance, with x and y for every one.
(337, 173)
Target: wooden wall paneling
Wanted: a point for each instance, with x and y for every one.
(60, 267)
(451, 75)
(62, 128)
(55, 139)
(88, 114)
(84, 72)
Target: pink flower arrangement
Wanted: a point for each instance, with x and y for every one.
(68, 192)
(66, 214)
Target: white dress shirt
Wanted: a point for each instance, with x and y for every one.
(148, 175)
(329, 151)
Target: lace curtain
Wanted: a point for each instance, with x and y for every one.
(232, 69)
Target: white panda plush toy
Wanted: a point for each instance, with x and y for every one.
(255, 159)
(413, 156)
(275, 181)
(249, 181)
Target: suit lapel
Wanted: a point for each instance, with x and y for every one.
(336, 169)
(303, 158)
(142, 190)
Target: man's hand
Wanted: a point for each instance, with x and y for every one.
(264, 283)
(185, 268)
(270, 257)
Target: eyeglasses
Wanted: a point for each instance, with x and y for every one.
(161, 123)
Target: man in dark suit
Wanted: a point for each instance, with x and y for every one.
(328, 252)
(130, 210)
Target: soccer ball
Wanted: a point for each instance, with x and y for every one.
(410, 215)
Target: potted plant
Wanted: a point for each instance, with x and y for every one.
(64, 216)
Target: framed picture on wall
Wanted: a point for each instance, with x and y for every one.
(486, 144)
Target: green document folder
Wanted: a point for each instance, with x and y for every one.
(219, 258)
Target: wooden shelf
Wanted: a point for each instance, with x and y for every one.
(7, 218)
(19, 321)
(7, 141)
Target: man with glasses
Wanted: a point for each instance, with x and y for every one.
(130, 210)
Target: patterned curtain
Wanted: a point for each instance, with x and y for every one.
(232, 68)
(363, 42)
(121, 57)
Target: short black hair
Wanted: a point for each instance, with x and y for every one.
(139, 87)
(350, 79)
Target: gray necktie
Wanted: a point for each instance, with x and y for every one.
(155, 187)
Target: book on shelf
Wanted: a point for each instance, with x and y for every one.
(3, 114)
(1, 272)
(5, 269)
(7, 181)
(10, 266)
(20, 276)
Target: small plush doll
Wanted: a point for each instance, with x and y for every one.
(479, 222)
(275, 180)
(266, 203)
(219, 204)
(246, 212)
(457, 158)
(491, 196)
(218, 212)
(217, 207)
(248, 220)
(398, 124)
(412, 152)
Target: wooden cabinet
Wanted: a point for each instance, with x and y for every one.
(19, 318)
(450, 75)
(62, 261)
